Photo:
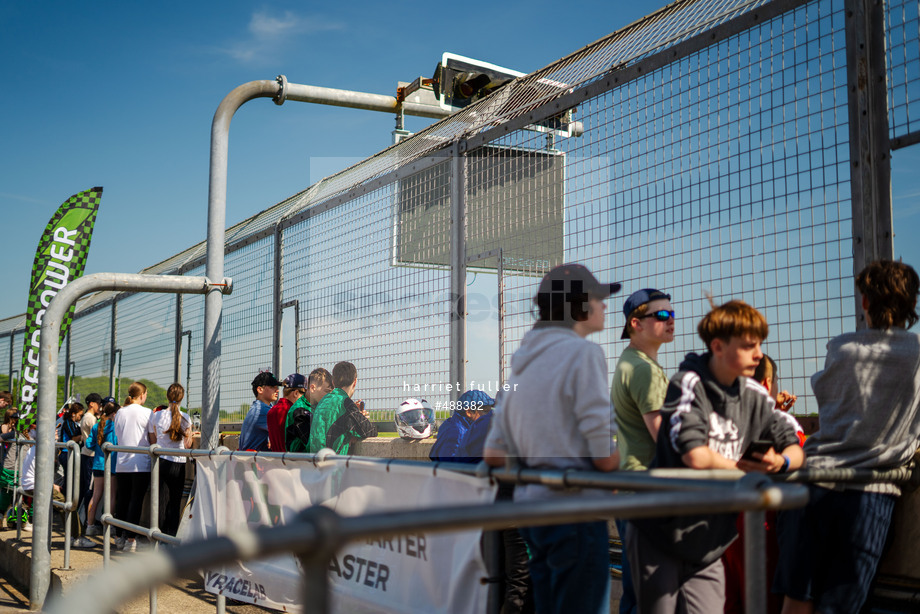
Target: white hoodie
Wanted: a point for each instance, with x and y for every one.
(557, 412)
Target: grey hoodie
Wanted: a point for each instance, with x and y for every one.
(868, 396)
(557, 413)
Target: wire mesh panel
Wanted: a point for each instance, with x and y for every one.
(704, 149)
(192, 350)
(90, 341)
(724, 172)
(903, 50)
(145, 344)
(6, 368)
(16, 367)
(374, 290)
(247, 326)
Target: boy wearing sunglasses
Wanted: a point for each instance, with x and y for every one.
(712, 413)
(637, 394)
(639, 383)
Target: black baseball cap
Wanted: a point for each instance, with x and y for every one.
(636, 300)
(266, 378)
(576, 278)
(94, 397)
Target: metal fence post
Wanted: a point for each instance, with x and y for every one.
(277, 281)
(315, 589)
(457, 271)
(214, 266)
(870, 159)
(9, 373)
(177, 357)
(112, 348)
(106, 506)
(501, 317)
(154, 511)
(68, 369)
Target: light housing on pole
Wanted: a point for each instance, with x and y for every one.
(459, 81)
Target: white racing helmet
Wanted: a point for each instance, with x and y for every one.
(415, 419)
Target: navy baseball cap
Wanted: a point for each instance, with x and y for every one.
(636, 300)
(295, 380)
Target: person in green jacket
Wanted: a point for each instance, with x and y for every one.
(300, 416)
(337, 420)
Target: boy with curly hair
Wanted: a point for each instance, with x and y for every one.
(830, 549)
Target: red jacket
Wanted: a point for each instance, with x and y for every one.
(277, 416)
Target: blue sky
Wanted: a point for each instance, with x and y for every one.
(122, 95)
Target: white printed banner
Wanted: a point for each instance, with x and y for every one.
(415, 572)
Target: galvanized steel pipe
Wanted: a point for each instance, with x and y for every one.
(321, 529)
(279, 90)
(214, 267)
(358, 100)
(47, 395)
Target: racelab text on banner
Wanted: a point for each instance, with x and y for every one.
(416, 572)
(59, 259)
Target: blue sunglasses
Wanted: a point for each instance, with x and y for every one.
(662, 315)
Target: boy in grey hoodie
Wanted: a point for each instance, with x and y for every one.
(712, 412)
(557, 415)
(868, 397)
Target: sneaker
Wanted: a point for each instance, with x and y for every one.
(27, 527)
(83, 542)
(120, 543)
(93, 529)
(130, 546)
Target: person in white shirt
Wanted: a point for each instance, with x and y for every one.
(172, 428)
(132, 470)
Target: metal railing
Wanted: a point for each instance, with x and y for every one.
(319, 532)
(71, 489)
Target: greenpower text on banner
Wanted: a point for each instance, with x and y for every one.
(59, 259)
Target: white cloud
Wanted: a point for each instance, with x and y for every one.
(906, 205)
(270, 32)
(25, 199)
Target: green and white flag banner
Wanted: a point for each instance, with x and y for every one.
(59, 259)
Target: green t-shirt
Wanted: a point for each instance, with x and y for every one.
(639, 387)
(325, 414)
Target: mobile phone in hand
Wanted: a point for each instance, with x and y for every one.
(759, 446)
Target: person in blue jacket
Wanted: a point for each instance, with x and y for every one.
(470, 406)
(513, 560)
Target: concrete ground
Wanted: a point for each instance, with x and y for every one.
(185, 595)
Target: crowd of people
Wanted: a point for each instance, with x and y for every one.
(306, 414)
(721, 409)
(314, 412)
(101, 421)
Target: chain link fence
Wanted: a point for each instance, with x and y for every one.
(713, 155)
